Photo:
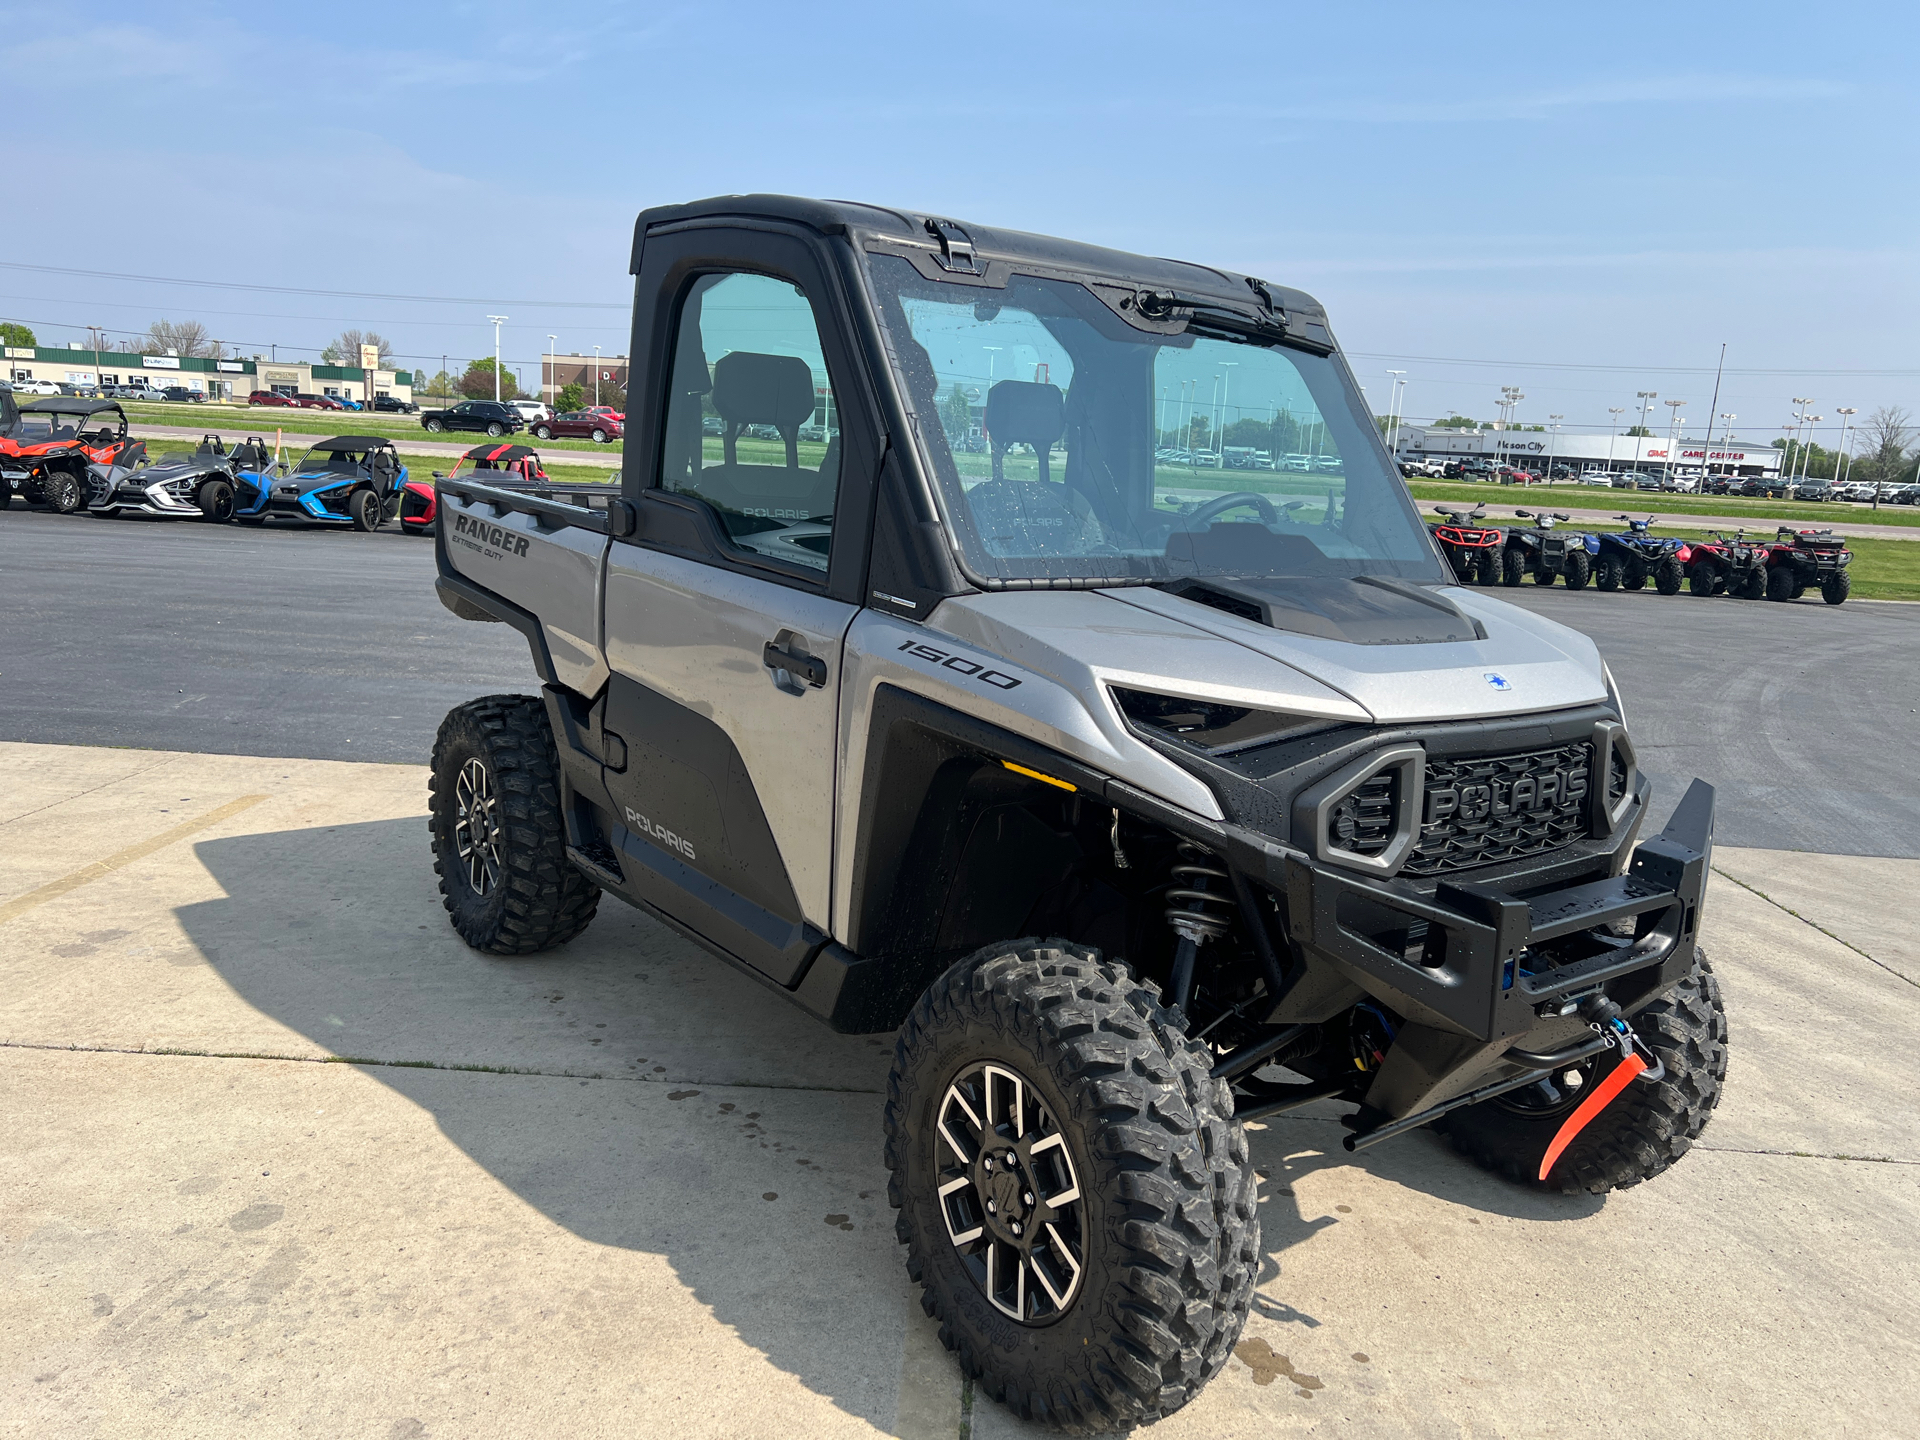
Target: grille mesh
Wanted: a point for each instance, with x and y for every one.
(1470, 816)
(1362, 823)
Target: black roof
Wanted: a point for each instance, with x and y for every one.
(353, 442)
(67, 405)
(505, 454)
(864, 224)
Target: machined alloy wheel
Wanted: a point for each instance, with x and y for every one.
(599, 437)
(496, 429)
(476, 826)
(1009, 1194)
(435, 426)
(541, 432)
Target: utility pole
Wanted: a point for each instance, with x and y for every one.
(498, 321)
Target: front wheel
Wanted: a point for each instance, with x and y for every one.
(1486, 567)
(1837, 587)
(499, 840)
(1667, 576)
(1780, 583)
(366, 510)
(1644, 1130)
(63, 492)
(1753, 586)
(1579, 566)
(1076, 1198)
(599, 437)
(1701, 579)
(496, 429)
(1608, 575)
(1513, 566)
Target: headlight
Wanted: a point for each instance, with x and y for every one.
(1209, 725)
(1613, 692)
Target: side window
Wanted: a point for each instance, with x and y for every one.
(751, 425)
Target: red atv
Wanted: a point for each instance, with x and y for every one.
(1728, 565)
(54, 442)
(1475, 551)
(1801, 558)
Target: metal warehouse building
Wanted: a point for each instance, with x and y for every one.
(217, 379)
(1612, 452)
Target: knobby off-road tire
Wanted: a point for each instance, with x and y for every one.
(1644, 1130)
(1837, 587)
(64, 493)
(1486, 569)
(1700, 578)
(1513, 566)
(1668, 576)
(1168, 1233)
(1780, 583)
(1754, 585)
(1635, 576)
(1579, 566)
(1543, 576)
(499, 842)
(1607, 575)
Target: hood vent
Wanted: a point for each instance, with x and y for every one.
(1364, 610)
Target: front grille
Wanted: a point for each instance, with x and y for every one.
(1479, 810)
(1618, 775)
(1362, 823)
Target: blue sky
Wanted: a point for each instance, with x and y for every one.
(1582, 201)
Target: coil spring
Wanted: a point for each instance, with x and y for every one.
(1192, 909)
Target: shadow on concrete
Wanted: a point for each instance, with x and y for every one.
(661, 1095)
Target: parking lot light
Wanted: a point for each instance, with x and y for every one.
(498, 321)
(1673, 429)
(1616, 411)
(1553, 436)
(1646, 397)
(1846, 414)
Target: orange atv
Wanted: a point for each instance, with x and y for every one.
(48, 454)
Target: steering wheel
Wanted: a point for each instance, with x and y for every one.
(1219, 505)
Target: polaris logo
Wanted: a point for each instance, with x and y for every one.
(972, 669)
(640, 824)
(505, 541)
(1503, 798)
(1497, 681)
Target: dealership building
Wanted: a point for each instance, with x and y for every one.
(216, 379)
(1536, 448)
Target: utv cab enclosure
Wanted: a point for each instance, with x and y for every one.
(1137, 816)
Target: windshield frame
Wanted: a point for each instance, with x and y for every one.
(1110, 310)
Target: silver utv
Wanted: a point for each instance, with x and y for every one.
(934, 668)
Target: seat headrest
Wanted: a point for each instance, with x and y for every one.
(754, 389)
(1021, 411)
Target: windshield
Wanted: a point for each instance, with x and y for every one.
(319, 459)
(1069, 444)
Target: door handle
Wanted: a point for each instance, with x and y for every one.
(795, 661)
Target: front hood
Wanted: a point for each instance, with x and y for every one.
(1525, 664)
(306, 484)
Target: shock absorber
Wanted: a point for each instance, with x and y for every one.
(1196, 912)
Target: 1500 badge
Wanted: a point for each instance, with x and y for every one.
(972, 669)
(505, 541)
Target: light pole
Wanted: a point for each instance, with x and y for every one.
(1616, 411)
(1393, 413)
(1647, 397)
(596, 377)
(1727, 442)
(551, 390)
(1553, 437)
(1846, 414)
(1800, 421)
(498, 321)
(1219, 444)
(1806, 451)
(1673, 430)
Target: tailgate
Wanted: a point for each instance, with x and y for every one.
(542, 557)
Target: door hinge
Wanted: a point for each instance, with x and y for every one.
(956, 247)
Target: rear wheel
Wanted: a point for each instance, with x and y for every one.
(1701, 579)
(1780, 583)
(1836, 587)
(1667, 576)
(496, 429)
(1634, 576)
(1077, 1201)
(599, 437)
(499, 842)
(1646, 1128)
(365, 508)
(1579, 566)
(1753, 585)
(1542, 575)
(215, 499)
(1513, 566)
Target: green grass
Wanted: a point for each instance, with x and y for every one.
(1753, 512)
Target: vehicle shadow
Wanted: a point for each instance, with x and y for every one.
(619, 1119)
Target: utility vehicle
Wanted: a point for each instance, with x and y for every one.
(348, 480)
(55, 441)
(1628, 558)
(1727, 565)
(496, 462)
(1550, 552)
(1135, 820)
(1800, 558)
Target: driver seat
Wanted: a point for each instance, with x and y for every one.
(1025, 412)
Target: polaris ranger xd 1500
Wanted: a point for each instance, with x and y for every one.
(1137, 821)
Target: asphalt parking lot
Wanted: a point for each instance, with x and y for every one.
(623, 1189)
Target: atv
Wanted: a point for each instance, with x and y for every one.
(1727, 565)
(53, 444)
(349, 480)
(1475, 551)
(497, 463)
(1550, 553)
(1800, 558)
(1131, 823)
(1625, 560)
(199, 485)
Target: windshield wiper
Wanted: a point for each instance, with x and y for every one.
(1219, 317)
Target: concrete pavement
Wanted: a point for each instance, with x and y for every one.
(536, 1204)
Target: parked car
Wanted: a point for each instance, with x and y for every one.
(581, 425)
(35, 387)
(184, 394)
(308, 401)
(1813, 489)
(532, 411)
(492, 417)
(1905, 495)
(78, 391)
(346, 402)
(271, 397)
(141, 391)
(392, 405)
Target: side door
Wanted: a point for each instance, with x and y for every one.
(726, 611)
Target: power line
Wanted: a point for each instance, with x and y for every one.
(1621, 369)
(307, 290)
